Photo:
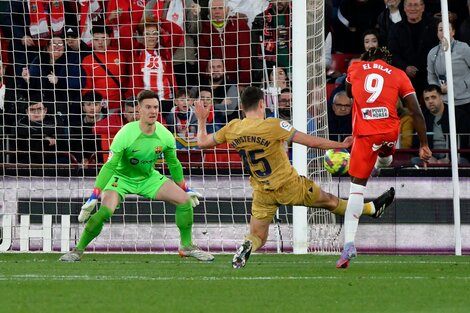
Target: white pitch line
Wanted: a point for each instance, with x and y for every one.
(34, 277)
(89, 259)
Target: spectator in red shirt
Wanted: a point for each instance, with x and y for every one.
(152, 66)
(106, 71)
(226, 37)
(124, 16)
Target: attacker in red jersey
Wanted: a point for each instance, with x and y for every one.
(375, 86)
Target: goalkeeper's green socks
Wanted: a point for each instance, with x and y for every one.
(184, 221)
(367, 209)
(94, 226)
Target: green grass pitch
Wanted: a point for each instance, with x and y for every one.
(37, 282)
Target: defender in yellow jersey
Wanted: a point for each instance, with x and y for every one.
(275, 182)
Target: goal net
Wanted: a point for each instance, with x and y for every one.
(70, 73)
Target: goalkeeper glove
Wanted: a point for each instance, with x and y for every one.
(194, 195)
(89, 205)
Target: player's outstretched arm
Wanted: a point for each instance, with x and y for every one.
(204, 140)
(320, 143)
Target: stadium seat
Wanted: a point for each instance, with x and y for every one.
(340, 61)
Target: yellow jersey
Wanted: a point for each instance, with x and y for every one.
(260, 143)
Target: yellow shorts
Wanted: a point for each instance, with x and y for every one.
(298, 191)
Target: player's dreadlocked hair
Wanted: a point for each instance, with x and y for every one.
(380, 53)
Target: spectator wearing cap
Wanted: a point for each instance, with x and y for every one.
(75, 44)
(106, 71)
(83, 141)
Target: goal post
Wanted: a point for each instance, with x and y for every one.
(314, 229)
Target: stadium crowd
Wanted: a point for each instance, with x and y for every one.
(71, 69)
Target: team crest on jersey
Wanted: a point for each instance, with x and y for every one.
(285, 125)
(158, 150)
(374, 113)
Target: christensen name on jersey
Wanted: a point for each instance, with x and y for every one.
(253, 139)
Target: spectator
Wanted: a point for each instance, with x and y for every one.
(36, 133)
(460, 53)
(224, 91)
(354, 17)
(214, 120)
(185, 16)
(285, 110)
(464, 30)
(228, 38)
(106, 71)
(83, 142)
(57, 76)
(75, 45)
(272, 29)
(391, 15)
(124, 17)
(410, 40)
(340, 117)
(108, 127)
(370, 38)
(437, 124)
(24, 48)
(181, 120)
(152, 66)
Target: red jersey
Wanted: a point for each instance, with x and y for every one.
(376, 87)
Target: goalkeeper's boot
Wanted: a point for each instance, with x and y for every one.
(195, 252)
(349, 253)
(242, 255)
(383, 201)
(72, 256)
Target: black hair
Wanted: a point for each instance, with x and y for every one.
(92, 96)
(371, 31)
(251, 97)
(431, 88)
(203, 88)
(101, 29)
(380, 53)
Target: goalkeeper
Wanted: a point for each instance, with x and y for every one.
(130, 169)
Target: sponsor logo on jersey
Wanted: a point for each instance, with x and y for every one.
(374, 113)
(285, 125)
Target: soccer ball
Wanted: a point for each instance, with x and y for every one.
(336, 161)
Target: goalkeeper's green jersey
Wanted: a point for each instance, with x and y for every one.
(133, 154)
